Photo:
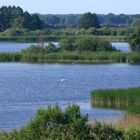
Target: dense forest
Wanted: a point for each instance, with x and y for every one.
(72, 20)
(15, 17)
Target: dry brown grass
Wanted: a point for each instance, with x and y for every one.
(129, 121)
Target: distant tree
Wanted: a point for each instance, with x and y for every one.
(18, 22)
(112, 19)
(52, 19)
(136, 22)
(35, 22)
(89, 20)
(135, 41)
(27, 20)
(71, 21)
(13, 16)
(67, 44)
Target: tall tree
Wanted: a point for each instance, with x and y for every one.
(35, 22)
(89, 20)
(13, 16)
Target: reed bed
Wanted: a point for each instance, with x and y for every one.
(117, 98)
(76, 57)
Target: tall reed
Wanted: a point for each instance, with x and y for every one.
(116, 98)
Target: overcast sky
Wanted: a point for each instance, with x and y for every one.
(76, 6)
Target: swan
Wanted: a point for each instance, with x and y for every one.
(62, 80)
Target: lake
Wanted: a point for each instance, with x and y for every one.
(122, 46)
(17, 47)
(26, 87)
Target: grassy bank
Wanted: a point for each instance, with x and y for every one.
(118, 98)
(70, 57)
(129, 121)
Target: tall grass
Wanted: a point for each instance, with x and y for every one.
(84, 57)
(117, 98)
(134, 109)
(77, 57)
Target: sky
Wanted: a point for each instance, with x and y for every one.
(76, 6)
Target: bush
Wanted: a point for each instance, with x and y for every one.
(93, 44)
(106, 132)
(86, 43)
(54, 124)
(133, 134)
(67, 44)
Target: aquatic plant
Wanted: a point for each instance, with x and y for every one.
(116, 98)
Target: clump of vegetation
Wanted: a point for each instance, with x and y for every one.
(133, 134)
(135, 40)
(68, 44)
(53, 123)
(117, 98)
(106, 132)
(89, 20)
(134, 109)
(39, 49)
(54, 54)
(86, 43)
(93, 44)
(10, 57)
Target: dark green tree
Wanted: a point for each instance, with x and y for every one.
(18, 22)
(89, 20)
(52, 19)
(27, 20)
(13, 16)
(135, 41)
(35, 23)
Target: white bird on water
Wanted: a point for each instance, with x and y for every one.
(62, 80)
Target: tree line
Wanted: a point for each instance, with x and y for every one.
(58, 21)
(12, 16)
(15, 17)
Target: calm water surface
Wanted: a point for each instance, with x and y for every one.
(122, 46)
(26, 87)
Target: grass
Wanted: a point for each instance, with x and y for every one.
(117, 98)
(129, 121)
(84, 57)
(69, 57)
(134, 109)
(128, 99)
